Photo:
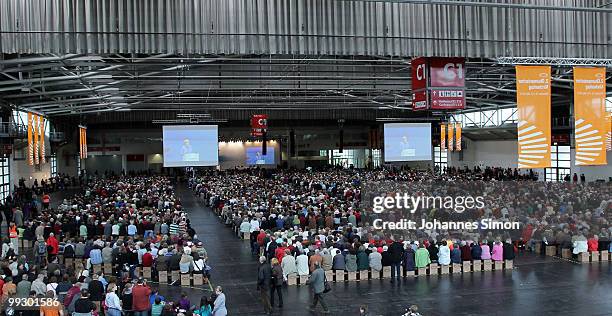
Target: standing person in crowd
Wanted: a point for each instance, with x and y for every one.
(264, 276)
(219, 304)
(396, 251)
(83, 306)
(140, 298)
(276, 283)
(112, 302)
(317, 283)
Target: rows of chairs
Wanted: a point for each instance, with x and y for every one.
(431, 270)
(566, 253)
(163, 277)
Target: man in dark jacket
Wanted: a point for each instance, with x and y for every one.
(508, 250)
(396, 252)
(264, 276)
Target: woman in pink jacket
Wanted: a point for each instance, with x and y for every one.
(486, 252)
(498, 252)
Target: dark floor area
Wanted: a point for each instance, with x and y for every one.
(538, 285)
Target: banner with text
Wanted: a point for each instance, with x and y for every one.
(442, 136)
(30, 140)
(533, 108)
(590, 122)
(458, 136)
(450, 136)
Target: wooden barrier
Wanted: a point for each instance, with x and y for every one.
(246, 236)
(96, 268)
(411, 273)
(174, 275)
(605, 255)
(583, 257)
(466, 266)
(595, 256)
(146, 272)
(433, 269)
(352, 275)
(163, 277)
(456, 268)
(329, 275)
(498, 265)
(551, 251)
(566, 253)
(477, 265)
(362, 275)
(386, 272)
(302, 279)
(538, 247)
(422, 271)
(107, 268)
(444, 269)
(509, 264)
(292, 279)
(487, 265)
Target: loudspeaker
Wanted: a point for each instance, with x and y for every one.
(292, 144)
(264, 144)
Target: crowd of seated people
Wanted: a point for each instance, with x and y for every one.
(127, 222)
(305, 212)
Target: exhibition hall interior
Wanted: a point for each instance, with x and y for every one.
(305, 157)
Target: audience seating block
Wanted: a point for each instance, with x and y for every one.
(146, 272)
(303, 279)
(595, 256)
(386, 272)
(456, 268)
(163, 277)
(185, 279)
(583, 257)
(198, 279)
(352, 275)
(487, 265)
(362, 275)
(498, 265)
(477, 265)
(467, 266)
(433, 269)
(175, 275)
(605, 255)
(538, 247)
(566, 253)
(422, 271)
(108, 268)
(551, 251)
(444, 269)
(509, 264)
(292, 279)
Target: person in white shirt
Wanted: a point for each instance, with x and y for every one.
(112, 302)
(288, 264)
(302, 264)
(254, 225)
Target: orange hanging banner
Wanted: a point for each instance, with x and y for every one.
(83, 142)
(35, 127)
(451, 139)
(458, 136)
(442, 136)
(533, 109)
(42, 140)
(30, 141)
(609, 134)
(590, 123)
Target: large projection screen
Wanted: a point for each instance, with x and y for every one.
(191, 145)
(407, 142)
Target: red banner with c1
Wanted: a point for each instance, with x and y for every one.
(419, 73)
(259, 124)
(446, 72)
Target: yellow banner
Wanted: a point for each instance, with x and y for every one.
(533, 108)
(42, 140)
(590, 121)
(30, 141)
(442, 136)
(450, 136)
(81, 142)
(609, 134)
(458, 136)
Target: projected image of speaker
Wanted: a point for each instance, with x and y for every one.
(255, 156)
(407, 142)
(191, 145)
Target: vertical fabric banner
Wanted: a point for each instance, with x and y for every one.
(35, 127)
(609, 134)
(450, 136)
(30, 141)
(80, 142)
(458, 136)
(42, 140)
(83, 141)
(533, 109)
(590, 123)
(442, 137)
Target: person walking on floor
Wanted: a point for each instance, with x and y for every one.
(264, 276)
(277, 283)
(317, 283)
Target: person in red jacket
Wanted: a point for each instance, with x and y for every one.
(593, 243)
(53, 243)
(140, 298)
(147, 259)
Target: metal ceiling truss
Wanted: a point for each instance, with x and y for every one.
(556, 62)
